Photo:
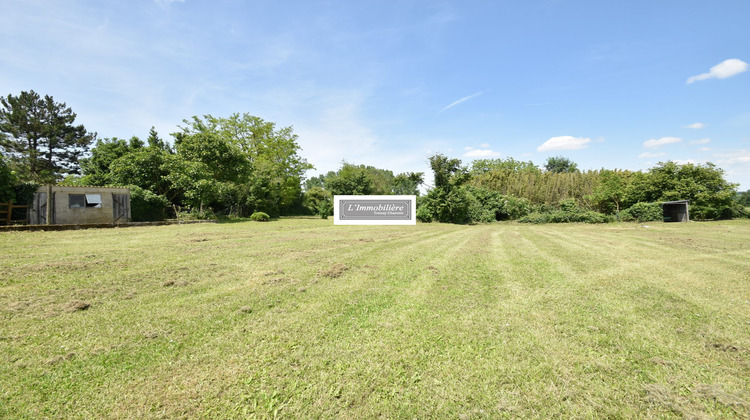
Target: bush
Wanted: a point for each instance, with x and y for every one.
(569, 212)
(7, 179)
(561, 216)
(259, 216)
(145, 206)
(24, 193)
(643, 212)
(499, 206)
(195, 214)
(424, 215)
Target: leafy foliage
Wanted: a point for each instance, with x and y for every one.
(259, 216)
(40, 137)
(643, 212)
(145, 206)
(539, 187)
(97, 166)
(743, 198)
(568, 212)
(559, 164)
(407, 183)
(7, 180)
(704, 186)
(482, 166)
(236, 165)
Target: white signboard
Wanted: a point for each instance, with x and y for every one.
(374, 210)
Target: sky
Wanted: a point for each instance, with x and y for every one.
(607, 84)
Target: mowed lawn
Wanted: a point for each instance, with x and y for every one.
(300, 318)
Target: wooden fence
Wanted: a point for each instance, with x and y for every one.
(6, 216)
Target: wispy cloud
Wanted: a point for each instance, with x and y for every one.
(648, 155)
(462, 100)
(701, 141)
(726, 68)
(655, 143)
(564, 143)
(737, 157)
(695, 126)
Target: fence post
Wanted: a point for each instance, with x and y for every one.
(49, 204)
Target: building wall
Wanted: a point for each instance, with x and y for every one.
(64, 214)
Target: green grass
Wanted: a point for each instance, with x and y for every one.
(300, 318)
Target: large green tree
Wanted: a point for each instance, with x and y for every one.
(560, 164)
(710, 195)
(40, 137)
(97, 167)
(275, 168)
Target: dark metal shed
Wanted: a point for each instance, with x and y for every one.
(676, 211)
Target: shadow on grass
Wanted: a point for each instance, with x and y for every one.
(226, 220)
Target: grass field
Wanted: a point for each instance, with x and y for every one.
(300, 318)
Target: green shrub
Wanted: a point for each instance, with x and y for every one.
(259, 216)
(196, 214)
(7, 180)
(569, 212)
(324, 209)
(424, 215)
(24, 193)
(561, 216)
(643, 212)
(145, 206)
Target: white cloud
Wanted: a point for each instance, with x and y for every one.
(726, 68)
(654, 143)
(738, 157)
(481, 153)
(564, 143)
(462, 100)
(684, 162)
(695, 126)
(485, 145)
(648, 155)
(704, 149)
(701, 141)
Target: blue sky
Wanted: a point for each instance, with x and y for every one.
(388, 83)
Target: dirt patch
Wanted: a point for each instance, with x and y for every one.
(245, 310)
(334, 271)
(724, 347)
(277, 280)
(57, 359)
(273, 273)
(76, 306)
(168, 283)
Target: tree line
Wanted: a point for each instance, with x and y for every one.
(241, 164)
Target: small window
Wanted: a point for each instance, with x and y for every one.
(94, 200)
(76, 201)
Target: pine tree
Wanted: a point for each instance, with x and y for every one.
(39, 136)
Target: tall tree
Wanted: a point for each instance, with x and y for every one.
(97, 167)
(408, 183)
(559, 164)
(40, 137)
